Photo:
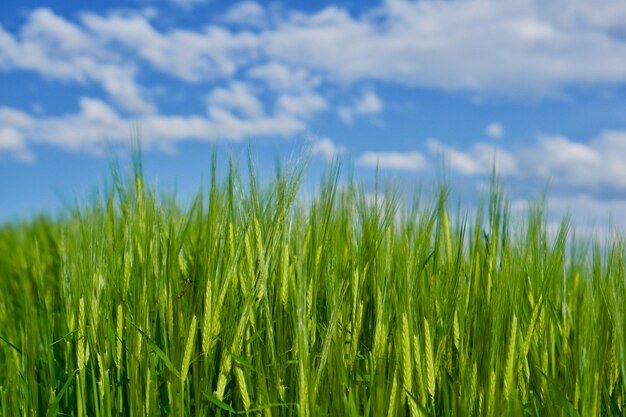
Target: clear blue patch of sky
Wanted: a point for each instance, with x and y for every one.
(53, 180)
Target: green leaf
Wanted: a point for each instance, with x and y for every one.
(53, 407)
(220, 403)
(614, 407)
(416, 402)
(159, 353)
(263, 407)
(11, 344)
(243, 362)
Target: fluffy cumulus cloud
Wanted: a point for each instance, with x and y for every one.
(494, 130)
(478, 160)
(96, 123)
(593, 215)
(247, 13)
(211, 53)
(281, 77)
(368, 104)
(523, 47)
(596, 166)
(12, 143)
(238, 97)
(56, 48)
(327, 149)
(303, 104)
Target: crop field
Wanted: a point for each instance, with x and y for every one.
(252, 300)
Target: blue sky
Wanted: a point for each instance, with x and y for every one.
(539, 84)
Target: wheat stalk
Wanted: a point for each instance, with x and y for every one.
(391, 410)
(430, 361)
(207, 323)
(188, 349)
(510, 360)
(119, 333)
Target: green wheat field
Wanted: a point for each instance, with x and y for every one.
(253, 300)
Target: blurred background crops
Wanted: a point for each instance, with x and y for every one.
(256, 300)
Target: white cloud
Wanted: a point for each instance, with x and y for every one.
(458, 160)
(97, 123)
(280, 77)
(562, 159)
(598, 165)
(494, 130)
(237, 97)
(591, 217)
(368, 104)
(224, 125)
(589, 212)
(595, 165)
(56, 48)
(16, 118)
(523, 47)
(120, 83)
(12, 144)
(478, 160)
(247, 13)
(409, 161)
(304, 104)
(10, 139)
(45, 27)
(327, 149)
(207, 54)
(345, 114)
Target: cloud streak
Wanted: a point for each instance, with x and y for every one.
(597, 166)
(409, 161)
(327, 149)
(96, 123)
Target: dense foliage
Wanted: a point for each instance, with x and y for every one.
(254, 300)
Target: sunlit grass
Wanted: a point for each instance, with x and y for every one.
(253, 301)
